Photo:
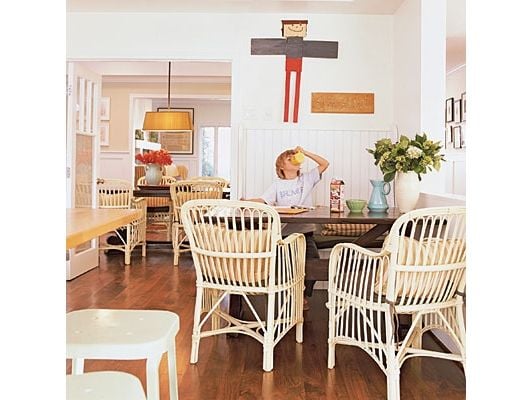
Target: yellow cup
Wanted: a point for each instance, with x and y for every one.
(298, 158)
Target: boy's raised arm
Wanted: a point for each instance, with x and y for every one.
(323, 164)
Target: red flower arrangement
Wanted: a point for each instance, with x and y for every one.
(161, 157)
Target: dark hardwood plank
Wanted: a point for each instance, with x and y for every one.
(231, 368)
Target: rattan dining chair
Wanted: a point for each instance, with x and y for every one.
(183, 191)
(159, 209)
(221, 181)
(420, 273)
(118, 193)
(238, 250)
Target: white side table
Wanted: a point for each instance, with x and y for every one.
(104, 385)
(125, 335)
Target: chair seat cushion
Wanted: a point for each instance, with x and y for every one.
(218, 239)
(345, 229)
(422, 253)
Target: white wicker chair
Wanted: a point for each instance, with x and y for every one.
(223, 182)
(180, 192)
(117, 193)
(83, 195)
(231, 258)
(159, 209)
(420, 272)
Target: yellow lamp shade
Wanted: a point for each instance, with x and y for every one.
(167, 121)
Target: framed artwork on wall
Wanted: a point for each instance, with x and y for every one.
(104, 133)
(449, 137)
(457, 110)
(464, 107)
(190, 110)
(457, 136)
(177, 142)
(105, 108)
(449, 109)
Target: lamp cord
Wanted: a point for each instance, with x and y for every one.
(169, 68)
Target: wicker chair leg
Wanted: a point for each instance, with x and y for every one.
(176, 257)
(393, 381)
(178, 239)
(299, 332)
(331, 357)
(267, 360)
(144, 249)
(196, 328)
(461, 331)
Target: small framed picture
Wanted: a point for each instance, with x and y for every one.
(449, 109)
(177, 142)
(464, 107)
(189, 110)
(463, 137)
(105, 108)
(457, 136)
(457, 110)
(104, 133)
(449, 137)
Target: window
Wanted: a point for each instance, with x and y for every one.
(215, 151)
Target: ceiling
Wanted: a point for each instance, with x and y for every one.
(238, 6)
(215, 71)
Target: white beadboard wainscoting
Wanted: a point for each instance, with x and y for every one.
(345, 150)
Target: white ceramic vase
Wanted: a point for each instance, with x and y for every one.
(406, 190)
(154, 174)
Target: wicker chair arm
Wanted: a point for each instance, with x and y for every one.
(290, 259)
(357, 271)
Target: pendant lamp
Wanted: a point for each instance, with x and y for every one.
(167, 120)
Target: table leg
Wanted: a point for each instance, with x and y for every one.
(370, 237)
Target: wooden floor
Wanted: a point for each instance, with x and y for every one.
(231, 368)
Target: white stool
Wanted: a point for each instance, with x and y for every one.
(125, 335)
(104, 385)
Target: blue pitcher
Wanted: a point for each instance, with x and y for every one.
(377, 202)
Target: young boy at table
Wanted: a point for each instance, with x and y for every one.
(294, 188)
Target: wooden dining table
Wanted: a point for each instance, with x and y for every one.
(163, 191)
(84, 224)
(318, 269)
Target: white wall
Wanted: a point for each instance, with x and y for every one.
(407, 67)
(419, 75)
(455, 167)
(376, 52)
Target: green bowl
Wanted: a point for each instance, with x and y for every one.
(356, 205)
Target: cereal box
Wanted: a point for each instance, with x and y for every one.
(337, 195)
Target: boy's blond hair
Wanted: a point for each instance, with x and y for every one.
(280, 160)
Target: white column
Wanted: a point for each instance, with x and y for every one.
(419, 74)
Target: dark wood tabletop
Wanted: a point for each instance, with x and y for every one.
(163, 191)
(323, 215)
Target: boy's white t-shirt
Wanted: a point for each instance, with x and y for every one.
(293, 192)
